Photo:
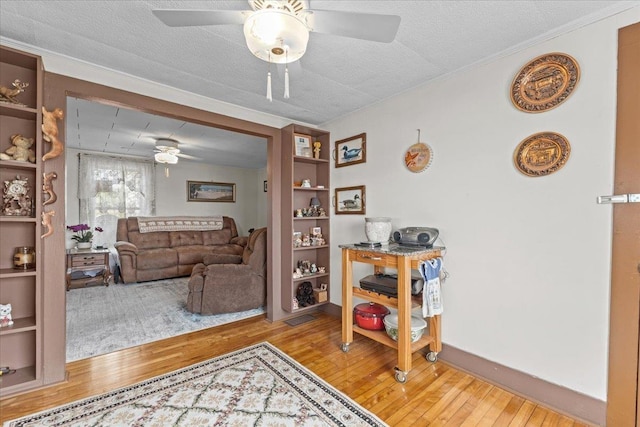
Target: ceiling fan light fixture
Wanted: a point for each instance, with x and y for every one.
(276, 36)
(166, 158)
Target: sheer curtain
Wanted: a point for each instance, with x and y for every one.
(110, 188)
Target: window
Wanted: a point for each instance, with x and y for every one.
(110, 188)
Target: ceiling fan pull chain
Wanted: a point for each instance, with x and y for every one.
(286, 83)
(269, 97)
(286, 75)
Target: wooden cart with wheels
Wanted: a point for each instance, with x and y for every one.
(404, 260)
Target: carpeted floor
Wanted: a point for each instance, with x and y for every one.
(255, 386)
(104, 319)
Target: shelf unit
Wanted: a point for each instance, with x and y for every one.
(294, 170)
(21, 344)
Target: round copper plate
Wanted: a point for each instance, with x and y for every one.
(418, 157)
(542, 154)
(545, 82)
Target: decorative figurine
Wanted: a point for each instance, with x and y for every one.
(46, 221)
(316, 149)
(306, 183)
(8, 95)
(5, 315)
(16, 200)
(47, 187)
(20, 149)
(50, 132)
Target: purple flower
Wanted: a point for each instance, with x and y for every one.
(83, 232)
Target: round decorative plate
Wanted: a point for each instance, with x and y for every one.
(418, 157)
(542, 154)
(545, 82)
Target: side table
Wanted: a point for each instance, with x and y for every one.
(86, 266)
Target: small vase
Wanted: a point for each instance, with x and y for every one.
(84, 245)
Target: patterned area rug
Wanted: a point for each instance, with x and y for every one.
(255, 386)
(105, 319)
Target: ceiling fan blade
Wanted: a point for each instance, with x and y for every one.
(365, 26)
(187, 156)
(192, 18)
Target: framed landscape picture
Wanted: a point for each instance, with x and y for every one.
(202, 191)
(350, 200)
(351, 151)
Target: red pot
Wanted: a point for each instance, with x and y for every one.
(370, 315)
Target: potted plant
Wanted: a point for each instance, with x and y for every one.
(84, 235)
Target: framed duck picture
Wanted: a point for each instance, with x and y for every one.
(351, 151)
(350, 200)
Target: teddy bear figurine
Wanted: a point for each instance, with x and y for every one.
(20, 150)
(5, 315)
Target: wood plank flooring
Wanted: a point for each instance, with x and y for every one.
(434, 395)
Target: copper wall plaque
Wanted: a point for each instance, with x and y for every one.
(542, 154)
(545, 82)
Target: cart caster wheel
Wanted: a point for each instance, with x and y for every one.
(432, 356)
(344, 347)
(401, 377)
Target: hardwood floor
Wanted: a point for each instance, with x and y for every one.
(434, 395)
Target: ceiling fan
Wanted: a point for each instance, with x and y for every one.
(277, 31)
(167, 152)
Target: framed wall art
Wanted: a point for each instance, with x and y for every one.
(351, 151)
(201, 191)
(350, 200)
(302, 145)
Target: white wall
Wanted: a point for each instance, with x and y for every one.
(529, 258)
(249, 210)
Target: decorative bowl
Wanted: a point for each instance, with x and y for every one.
(418, 325)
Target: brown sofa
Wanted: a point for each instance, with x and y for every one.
(236, 284)
(165, 254)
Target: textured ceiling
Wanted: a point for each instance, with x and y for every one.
(336, 76)
(104, 128)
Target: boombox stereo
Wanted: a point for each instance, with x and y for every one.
(416, 236)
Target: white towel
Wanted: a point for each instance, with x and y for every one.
(431, 292)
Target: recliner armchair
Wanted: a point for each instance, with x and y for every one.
(225, 283)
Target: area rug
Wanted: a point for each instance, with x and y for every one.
(255, 386)
(105, 319)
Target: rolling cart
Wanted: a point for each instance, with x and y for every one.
(403, 259)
